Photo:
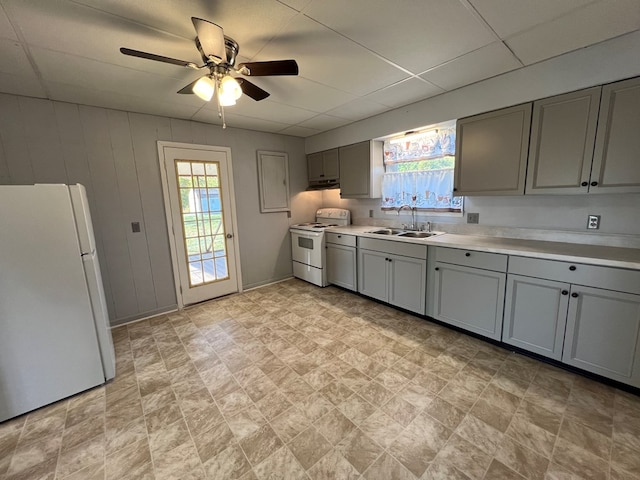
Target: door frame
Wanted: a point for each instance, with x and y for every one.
(169, 217)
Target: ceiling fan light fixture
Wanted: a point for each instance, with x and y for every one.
(204, 88)
(230, 88)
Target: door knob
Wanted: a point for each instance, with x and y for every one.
(229, 235)
(574, 295)
(565, 292)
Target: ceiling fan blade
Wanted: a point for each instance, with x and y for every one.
(252, 90)
(211, 40)
(274, 67)
(188, 88)
(157, 58)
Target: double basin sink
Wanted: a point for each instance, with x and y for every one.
(398, 232)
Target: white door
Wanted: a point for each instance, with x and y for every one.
(199, 200)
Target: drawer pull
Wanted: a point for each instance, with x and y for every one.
(565, 292)
(339, 236)
(467, 254)
(574, 295)
(584, 184)
(437, 269)
(594, 184)
(572, 268)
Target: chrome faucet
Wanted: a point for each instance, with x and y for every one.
(413, 225)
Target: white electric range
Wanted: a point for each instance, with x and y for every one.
(307, 244)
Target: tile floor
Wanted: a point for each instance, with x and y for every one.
(291, 381)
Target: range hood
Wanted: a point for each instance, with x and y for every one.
(324, 185)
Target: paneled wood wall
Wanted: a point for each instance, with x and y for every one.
(114, 155)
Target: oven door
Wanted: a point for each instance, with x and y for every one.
(307, 247)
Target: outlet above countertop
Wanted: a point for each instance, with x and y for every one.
(572, 252)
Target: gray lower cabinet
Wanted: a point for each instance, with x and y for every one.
(469, 290)
(535, 315)
(341, 260)
(603, 333)
(393, 272)
(599, 305)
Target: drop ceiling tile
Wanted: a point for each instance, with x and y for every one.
(298, 131)
(592, 24)
(415, 34)
(358, 109)
(328, 58)
(79, 30)
(250, 23)
(266, 110)
(480, 64)
(303, 93)
(119, 101)
(403, 93)
(507, 17)
(239, 121)
(16, 73)
(324, 122)
(298, 5)
(93, 75)
(6, 29)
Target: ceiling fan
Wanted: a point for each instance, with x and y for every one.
(219, 54)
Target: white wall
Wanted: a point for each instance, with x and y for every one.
(114, 154)
(606, 62)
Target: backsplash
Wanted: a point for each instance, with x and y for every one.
(549, 218)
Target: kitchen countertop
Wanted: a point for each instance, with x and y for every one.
(568, 252)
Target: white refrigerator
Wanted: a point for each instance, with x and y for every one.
(55, 339)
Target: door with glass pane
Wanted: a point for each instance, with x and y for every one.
(199, 202)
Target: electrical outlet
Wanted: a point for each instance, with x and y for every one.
(593, 222)
(473, 218)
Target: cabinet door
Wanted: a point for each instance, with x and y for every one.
(315, 170)
(535, 315)
(372, 274)
(616, 168)
(603, 330)
(491, 152)
(330, 163)
(469, 298)
(341, 266)
(407, 283)
(563, 132)
(354, 170)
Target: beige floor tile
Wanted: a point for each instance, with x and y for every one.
(291, 381)
(309, 447)
(388, 467)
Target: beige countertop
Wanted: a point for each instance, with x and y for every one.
(569, 252)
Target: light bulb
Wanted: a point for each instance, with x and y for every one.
(226, 100)
(204, 88)
(230, 88)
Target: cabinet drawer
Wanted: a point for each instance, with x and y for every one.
(470, 258)
(596, 276)
(393, 247)
(340, 239)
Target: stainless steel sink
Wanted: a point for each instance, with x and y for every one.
(388, 231)
(417, 234)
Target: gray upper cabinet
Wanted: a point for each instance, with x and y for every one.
(616, 159)
(323, 165)
(563, 132)
(361, 169)
(491, 152)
